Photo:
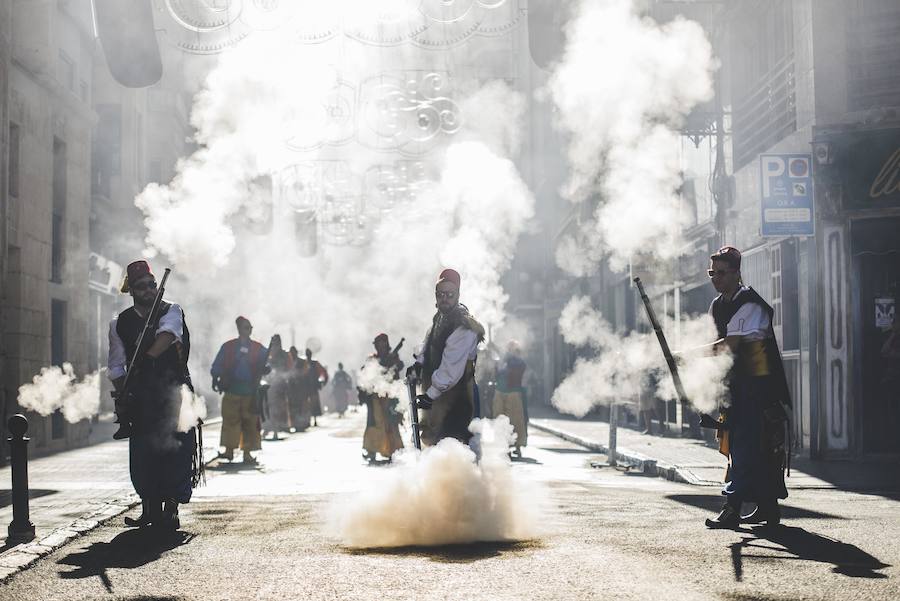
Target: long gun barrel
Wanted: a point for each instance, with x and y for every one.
(706, 420)
(663, 343)
(411, 381)
(152, 315)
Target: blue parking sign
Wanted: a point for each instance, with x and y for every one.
(787, 195)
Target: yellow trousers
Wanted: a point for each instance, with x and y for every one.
(240, 423)
(510, 405)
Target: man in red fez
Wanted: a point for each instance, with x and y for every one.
(236, 372)
(752, 434)
(161, 459)
(447, 365)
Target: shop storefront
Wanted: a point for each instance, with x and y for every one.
(859, 244)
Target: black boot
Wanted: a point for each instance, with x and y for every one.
(169, 517)
(729, 518)
(766, 512)
(124, 431)
(146, 517)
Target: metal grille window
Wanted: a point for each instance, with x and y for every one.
(775, 255)
(763, 87)
(873, 53)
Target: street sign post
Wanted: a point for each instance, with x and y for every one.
(786, 201)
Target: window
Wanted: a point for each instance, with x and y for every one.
(155, 171)
(106, 148)
(138, 148)
(58, 235)
(84, 91)
(763, 87)
(13, 164)
(873, 53)
(66, 73)
(57, 357)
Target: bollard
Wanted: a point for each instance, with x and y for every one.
(613, 426)
(21, 530)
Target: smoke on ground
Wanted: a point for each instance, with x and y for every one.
(58, 388)
(445, 495)
(622, 89)
(620, 368)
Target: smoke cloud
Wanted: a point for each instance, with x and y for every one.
(374, 379)
(620, 367)
(332, 183)
(193, 408)
(445, 495)
(622, 90)
(58, 388)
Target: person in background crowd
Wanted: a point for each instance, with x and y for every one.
(162, 461)
(313, 376)
(753, 425)
(236, 371)
(280, 373)
(299, 412)
(447, 365)
(382, 433)
(341, 385)
(509, 398)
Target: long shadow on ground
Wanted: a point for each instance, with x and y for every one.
(460, 553)
(792, 543)
(713, 503)
(129, 549)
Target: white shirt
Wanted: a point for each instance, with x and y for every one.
(172, 322)
(462, 346)
(751, 321)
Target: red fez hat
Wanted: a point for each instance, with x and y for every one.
(381, 336)
(135, 271)
(449, 275)
(241, 319)
(728, 254)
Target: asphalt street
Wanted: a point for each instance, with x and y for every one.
(261, 533)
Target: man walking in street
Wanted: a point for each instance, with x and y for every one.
(236, 372)
(447, 364)
(281, 372)
(162, 460)
(382, 434)
(754, 424)
(509, 398)
(341, 385)
(313, 376)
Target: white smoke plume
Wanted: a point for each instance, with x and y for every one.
(266, 110)
(620, 367)
(622, 89)
(375, 379)
(56, 388)
(193, 408)
(445, 495)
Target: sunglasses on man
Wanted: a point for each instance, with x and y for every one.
(718, 272)
(140, 286)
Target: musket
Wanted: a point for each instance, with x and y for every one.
(152, 316)
(411, 382)
(705, 420)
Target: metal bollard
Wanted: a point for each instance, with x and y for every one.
(613, 426)
(21, 530)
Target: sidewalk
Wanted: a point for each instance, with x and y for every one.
(71, 492)
(693, 462)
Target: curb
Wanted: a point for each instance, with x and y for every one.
(644, 464)
(23, 556)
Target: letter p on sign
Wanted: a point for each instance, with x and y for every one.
(772, 167)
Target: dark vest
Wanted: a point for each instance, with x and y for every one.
(442, 325)
(172, 364)
(723, 311)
